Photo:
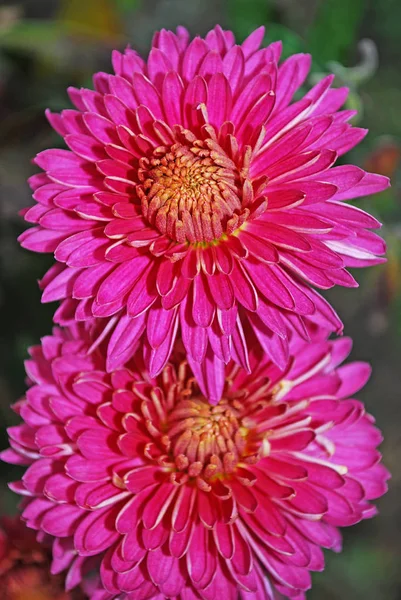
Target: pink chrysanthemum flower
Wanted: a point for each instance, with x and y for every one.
(177, 498)
(197, 194)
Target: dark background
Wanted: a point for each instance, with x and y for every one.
(46, 45)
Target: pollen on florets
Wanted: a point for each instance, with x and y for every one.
(196, 442)
(190, 191)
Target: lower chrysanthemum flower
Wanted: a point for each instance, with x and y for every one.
(172, 497)
(25, 565)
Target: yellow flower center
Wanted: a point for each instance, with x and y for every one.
(189, 191)
(209, 442)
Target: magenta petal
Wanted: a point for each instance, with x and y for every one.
(160, 566)
(353, 378)
(62, 520)
(210, 376)
(61, 286)
(160, 322)
(121, 280)
(275, 347)
(124, 339)
(194, 337)
(95, 533)
(203, 305)
(160, 355)
(370, 184)
(269, 284)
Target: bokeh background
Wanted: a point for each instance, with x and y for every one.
(46, 45)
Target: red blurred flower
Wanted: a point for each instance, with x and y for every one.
(386, 157)
(25, 566)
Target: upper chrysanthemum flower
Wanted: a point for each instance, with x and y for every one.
(197, 194)
(176, 498)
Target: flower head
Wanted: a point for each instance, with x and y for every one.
(25, 565)
(196, 193)
(177, 498)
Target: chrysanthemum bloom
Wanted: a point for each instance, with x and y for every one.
(197, 194)
(181, 499)
(25, 566)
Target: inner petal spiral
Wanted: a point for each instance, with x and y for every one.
(210, 442)
(190, 191)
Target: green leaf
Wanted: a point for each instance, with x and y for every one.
(245, 16)
(335, 29)
(36, 36)
(95, 19)
(127, 6)
(292, 43)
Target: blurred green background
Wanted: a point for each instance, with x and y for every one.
(46, 45)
